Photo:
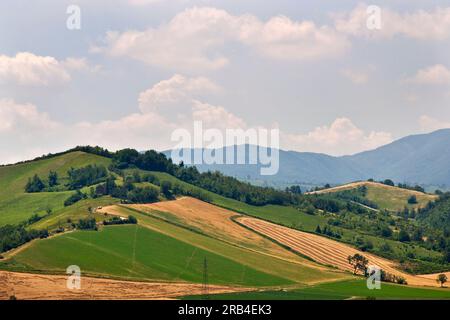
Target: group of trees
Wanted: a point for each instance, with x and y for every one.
(86, 176)
(77, 178)
(328, 232)
(86, 224)
(360, 264)
(117, 220)
(77, 196)
(13, 236)
(36, 184)
(211, 181)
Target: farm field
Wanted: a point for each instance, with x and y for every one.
(134, 252)
(27, 286)
(386, 197)
(350, 289)
(213, 221)
(324, 250)
(286, 265)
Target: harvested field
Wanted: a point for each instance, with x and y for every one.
(211, 220)
(326, 251)
(26, 286)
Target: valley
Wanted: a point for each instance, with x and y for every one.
(150, 229)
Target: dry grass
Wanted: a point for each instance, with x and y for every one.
(327, 251)
(215, 222)
(26, 286)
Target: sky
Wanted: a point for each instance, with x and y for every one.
(336, 77)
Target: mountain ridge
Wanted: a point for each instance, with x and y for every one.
(415, 159)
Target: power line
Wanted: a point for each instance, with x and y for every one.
(205, 288)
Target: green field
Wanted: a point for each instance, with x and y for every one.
(134, 252)
(295, 272)
(17, 206)
(293, 218)
(396, 198)
(353, 289)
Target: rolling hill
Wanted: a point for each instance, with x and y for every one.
(16, 205)
(176, 233)
(385, 196)
(417, 159)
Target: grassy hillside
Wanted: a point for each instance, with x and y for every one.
(135, 252)
(356, 289)
(294, 218)
(17, 206)
(296, 270)
(386, 197)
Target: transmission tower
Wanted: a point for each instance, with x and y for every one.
(205, 280)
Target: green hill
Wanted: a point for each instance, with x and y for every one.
(134, 252)
(17, 206)
(384, 196)
(133, 177)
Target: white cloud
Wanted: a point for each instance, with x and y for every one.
(34, 132)
(193, 40)
(29, 69)
(15, 116)
(79, 64)
(429, 124)
(143, 2)
(175, 92)
(216, 117)
(421, 24)
(342, 137)
(433, 75)
(356, 76)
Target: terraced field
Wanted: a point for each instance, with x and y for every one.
(326, 251)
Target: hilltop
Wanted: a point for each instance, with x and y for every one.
(384, 196)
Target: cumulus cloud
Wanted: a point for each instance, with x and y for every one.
(429, 124)
(175, 92)
(29, 69)
(421, 24)
(193, 40)
(433, 75)
(79, 64)
(216, 117)
(35, 133)
(340, 138)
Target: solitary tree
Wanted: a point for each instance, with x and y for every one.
(52, 179)
(358, 262)
(442, 278)
(412, 199)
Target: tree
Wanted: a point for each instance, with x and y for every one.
(132, 219)
(318, 230)
(389, 182)
(442, 278)
(412, 199)
(165, 188)
(34, 184)
(52, 179)
(358, 262)
(403, 236)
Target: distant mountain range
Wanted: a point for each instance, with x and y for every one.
(417, 159)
